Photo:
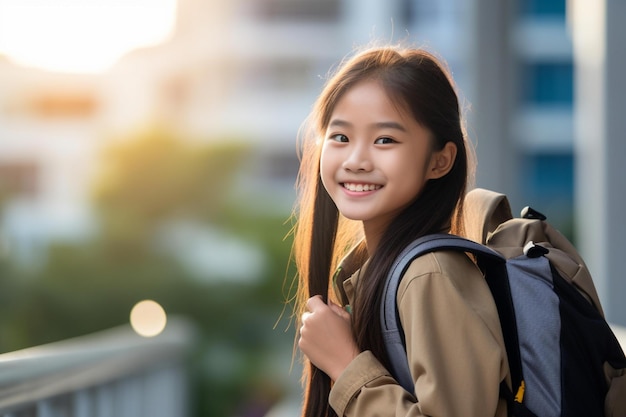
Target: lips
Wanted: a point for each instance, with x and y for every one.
(360, 187)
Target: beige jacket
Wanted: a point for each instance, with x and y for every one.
(454, 344)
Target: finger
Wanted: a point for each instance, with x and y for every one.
(303, 325)
(338, 310)
(314, 302)
(334, 307)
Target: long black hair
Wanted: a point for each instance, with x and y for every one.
(418, 82)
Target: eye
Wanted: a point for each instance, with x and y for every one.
(339, 138)
(384, 141)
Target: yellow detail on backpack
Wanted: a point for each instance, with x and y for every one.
(519, 397)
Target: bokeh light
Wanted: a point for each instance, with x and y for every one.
(77, 36)
(148, 318)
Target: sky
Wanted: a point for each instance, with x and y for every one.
(80, 36)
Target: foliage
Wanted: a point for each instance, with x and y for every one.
(144, 182)
(149, 179)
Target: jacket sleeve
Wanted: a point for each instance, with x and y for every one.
(453, 347)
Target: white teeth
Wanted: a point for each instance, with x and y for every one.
(361, 187)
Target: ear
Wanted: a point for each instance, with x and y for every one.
(442, 161)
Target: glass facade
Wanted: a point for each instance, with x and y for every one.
(547, 184)
(543, 8)
(546, 83)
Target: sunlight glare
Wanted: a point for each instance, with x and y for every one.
(80, 35)
(147, 318)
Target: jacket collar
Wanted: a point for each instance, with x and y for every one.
(346, 274)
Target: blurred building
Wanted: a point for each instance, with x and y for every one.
(250, 69)
(525, 121)
(49, 130)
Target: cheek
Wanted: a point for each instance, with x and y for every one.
(413, 172)
(327, 168)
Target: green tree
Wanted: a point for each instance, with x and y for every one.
(156, 176)
(144, 182)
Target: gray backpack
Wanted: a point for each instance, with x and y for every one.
(564, 359)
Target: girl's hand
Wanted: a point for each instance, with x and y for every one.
(326, 337)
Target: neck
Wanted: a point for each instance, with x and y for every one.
(372, 233)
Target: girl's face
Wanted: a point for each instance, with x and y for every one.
(375, 157)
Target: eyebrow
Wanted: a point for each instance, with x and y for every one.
(380, 125)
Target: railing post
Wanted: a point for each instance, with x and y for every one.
(44, 409)
(104, 401)
(129, 394)
(82, 403)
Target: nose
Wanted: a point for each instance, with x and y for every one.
(358, 159)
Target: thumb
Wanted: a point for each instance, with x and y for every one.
(338, 310)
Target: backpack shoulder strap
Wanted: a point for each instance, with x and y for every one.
(390, 321)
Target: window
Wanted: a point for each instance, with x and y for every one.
(18, 178)
(547, 185)
(548, 83)
(63, 104)
(543, 8)
(277, 75)
(328, 10)
(413, 10)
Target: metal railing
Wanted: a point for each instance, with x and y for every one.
(114, 373)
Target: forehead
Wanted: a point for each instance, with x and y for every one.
(369, 102)
(369, 99)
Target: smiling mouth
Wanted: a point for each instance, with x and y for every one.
(361, 187)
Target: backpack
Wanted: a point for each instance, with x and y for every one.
(563, 357)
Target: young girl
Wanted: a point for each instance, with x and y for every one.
(385, 164)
